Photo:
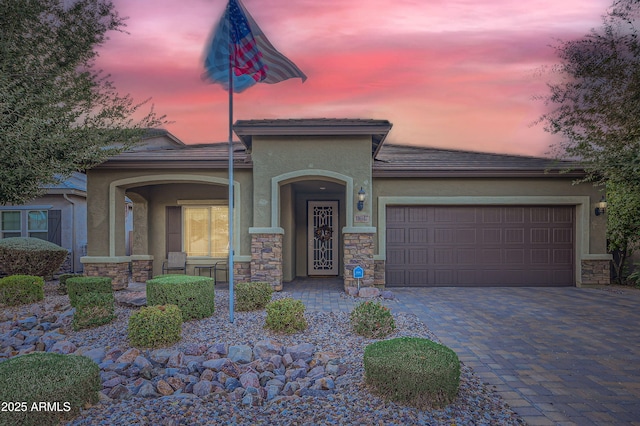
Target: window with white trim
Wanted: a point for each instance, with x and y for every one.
(206, 230)
(10, 224)
(37, 224)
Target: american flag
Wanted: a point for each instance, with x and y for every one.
(254, 58)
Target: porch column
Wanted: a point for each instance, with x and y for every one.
(266, 255)
(116, 268)
(141, 268)
(595, 270)
(358, 246)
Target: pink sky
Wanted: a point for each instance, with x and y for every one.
(457, 74)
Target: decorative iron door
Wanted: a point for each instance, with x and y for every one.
(322, 235)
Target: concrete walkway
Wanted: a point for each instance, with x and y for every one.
(558, 356)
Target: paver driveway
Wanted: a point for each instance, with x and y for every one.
(556, 355)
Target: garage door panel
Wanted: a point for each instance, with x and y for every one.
(480, 245)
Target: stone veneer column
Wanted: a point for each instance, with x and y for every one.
(596, 271)
(241, 272)
(116, 270)
(358, 251)
(266, 258)
(379, 280)
(141, 268)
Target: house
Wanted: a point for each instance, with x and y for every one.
(318, 197)
(58, 216)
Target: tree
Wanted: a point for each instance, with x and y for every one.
(595, 105)
(57, 113)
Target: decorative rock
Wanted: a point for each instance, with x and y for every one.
(28, 323)
(287, 359)
(249, 379)
(295, 374)
(115, 381)
(335, 368)
(265, 349)
(175, 383)
(129, 356)
(147, 391)
(388, 295)
(119, 392)
(176, 360)
(232, 384)
(141, 362)
(164, 388)
(219, 349)
(316, 372)
(230, 369)
(215, 364)
(64, 347)
(290, 388)
(207, 374)
(160, 356)
(323, 384)
(368, 292)
(112, 354)
(96, 354)
(352, 291)
(202, 388)
(241, 354)
(323, 358)
(302, 351)
(194, 349)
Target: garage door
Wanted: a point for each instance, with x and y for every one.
(480, 246)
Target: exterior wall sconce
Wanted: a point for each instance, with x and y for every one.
(601, 207)
(361, 197)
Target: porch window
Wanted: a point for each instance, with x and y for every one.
(10, 225)
(37, 222)
(206, 231)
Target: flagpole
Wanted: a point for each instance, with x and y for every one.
(231, 206)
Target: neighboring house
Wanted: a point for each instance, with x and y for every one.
(58, 216)
(430, 217)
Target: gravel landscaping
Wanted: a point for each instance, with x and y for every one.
(188, 384)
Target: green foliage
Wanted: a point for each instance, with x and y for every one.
(30, 256)
(57, 113)
(413, 371)
(93, 309)
(372, 319)
(79, 285)
(252, 295)
(155, 326)
(634, 277)
(47, 377)
(594, 103)
(286, 315)
(195, 296)
(623, 222)
(21, 289)
(62, 282)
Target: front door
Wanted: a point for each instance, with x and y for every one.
(322, 237)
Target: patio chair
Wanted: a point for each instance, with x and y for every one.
(176, 261)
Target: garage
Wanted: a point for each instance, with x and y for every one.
(475, 246)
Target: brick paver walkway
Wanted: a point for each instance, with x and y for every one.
(558, 356)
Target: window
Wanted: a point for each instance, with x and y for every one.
(206, 231)
(37, 221)
(10, 224)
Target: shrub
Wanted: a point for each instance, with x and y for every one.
(80, 285)
(155, 326)
(69, 380)
(286, 315)
(30, 256)
(414, 371)
(195, 296)
(372, 319)
(93, 309)
(21, 289)
(252, 296)
(62, 282)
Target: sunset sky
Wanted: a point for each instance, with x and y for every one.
(458, 74)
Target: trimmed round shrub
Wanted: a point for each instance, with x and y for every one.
(21, 289)
(30, 256)
(413, 371)
(62, 282)
(93, 309)
(155, 326)
(65, 382)
(286, 315)
(195, 296)
(250, 296)
(80, 285)
(372, 319)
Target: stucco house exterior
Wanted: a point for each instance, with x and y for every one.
(429, 217)
(58, 216)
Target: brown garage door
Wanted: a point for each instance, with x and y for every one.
(480, 246)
